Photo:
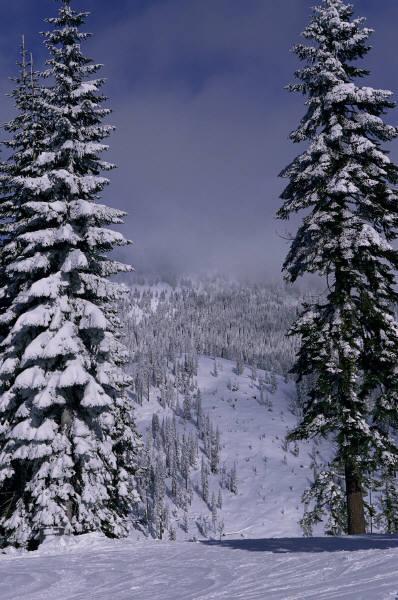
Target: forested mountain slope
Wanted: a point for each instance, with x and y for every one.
(214, 402)
(251, 484)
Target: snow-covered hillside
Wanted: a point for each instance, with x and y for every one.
(261, 554)
(271, 476)
(251, 547)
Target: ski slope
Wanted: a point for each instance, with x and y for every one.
(271, 476)
(91, 568)
(261, 555)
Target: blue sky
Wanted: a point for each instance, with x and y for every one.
(197, 89)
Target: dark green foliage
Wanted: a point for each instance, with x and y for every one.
(346, 184)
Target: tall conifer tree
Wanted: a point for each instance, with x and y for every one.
(25, 143)
(68, 444)
(346, 184)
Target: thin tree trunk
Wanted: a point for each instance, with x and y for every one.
(355, 506)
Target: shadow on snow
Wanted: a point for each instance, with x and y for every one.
(314, 545)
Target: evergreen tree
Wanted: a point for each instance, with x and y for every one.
(220, 529)
(215, 368)
(388, 516)
(345, 182)
(159, 515)
(193, 449)
(199, 411)
(273, 383)
(186, 407)
(233, 480)
(185, 522)
(172, 534)
(215, 450)
(25, 143)
(204, 480)
(68, 446)
(213, 506)
(185, 462)
(240, 367)
(155, 425)
(173, 475)
(325, 498)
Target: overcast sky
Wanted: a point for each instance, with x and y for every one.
(197, 89)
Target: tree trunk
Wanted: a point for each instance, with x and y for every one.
(355, 507)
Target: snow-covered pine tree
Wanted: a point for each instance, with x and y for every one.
(186, 407)
(214, 513)
(204, 480)
(68, 444)
(325, 497)
(26, 141)
(185, 463)
(215, 447)
(346, 183)
(388, 504)
(233, 480)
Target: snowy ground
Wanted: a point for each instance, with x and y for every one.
(271, 569)
(250, 563)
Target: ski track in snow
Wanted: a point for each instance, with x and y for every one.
(96, 569)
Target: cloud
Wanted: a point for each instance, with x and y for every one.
(202, 117)
(199, 143)
(203, 123)
(202, 187)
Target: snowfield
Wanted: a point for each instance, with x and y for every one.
(92, 568)
(260, 557)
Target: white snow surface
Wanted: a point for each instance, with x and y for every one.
(92, 568)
